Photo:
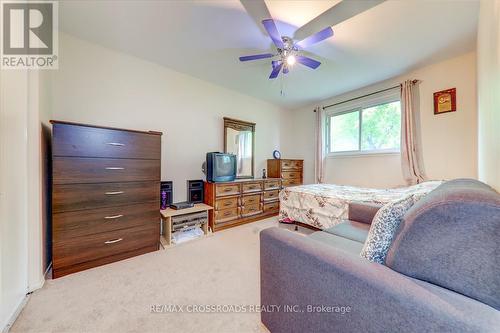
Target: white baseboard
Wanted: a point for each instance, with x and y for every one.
(41, 282)
(15, 314)
(25, 299)
(48, 271)
(47, 275)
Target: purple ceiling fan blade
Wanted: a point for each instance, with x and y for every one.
(276, 71)
(273, 32)
(317, 37)
(257, 56)
(306, 61)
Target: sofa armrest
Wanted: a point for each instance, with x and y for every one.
(362, 211)
(307, 286)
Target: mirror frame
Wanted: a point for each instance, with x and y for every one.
(241, 125)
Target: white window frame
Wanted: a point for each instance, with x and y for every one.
(389, 96)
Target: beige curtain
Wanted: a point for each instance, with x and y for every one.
(411, 154)
(319, 158)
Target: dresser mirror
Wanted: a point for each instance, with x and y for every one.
(239, 139)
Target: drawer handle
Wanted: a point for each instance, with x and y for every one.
(118, 144)
(114, 168)
(228, 189)
(113, 241)
(114, 193)
(113, 217)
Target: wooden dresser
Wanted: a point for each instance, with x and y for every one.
(290, 171)
(241, 201)
(105, 195)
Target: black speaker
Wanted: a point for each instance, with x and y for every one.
(166, 194)
(195, 189)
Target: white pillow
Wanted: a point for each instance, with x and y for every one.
(384, 226)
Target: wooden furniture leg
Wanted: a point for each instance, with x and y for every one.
(168, 229)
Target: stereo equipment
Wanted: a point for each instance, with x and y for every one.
(195, 189)
(185, 221)
(182, 205)
(166, 194)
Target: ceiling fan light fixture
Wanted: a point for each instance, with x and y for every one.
(289, 52)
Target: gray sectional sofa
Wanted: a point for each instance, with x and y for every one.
(442, 272)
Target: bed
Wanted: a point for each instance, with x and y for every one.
(324, 205)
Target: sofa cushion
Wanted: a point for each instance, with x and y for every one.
(352, 230)
(362, 211)
(340, 243)
(384, 226)
(451, 238)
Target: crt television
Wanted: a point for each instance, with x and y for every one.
(220, 167)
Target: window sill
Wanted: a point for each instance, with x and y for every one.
(363, 154)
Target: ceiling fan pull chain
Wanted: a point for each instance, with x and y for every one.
(282, 84)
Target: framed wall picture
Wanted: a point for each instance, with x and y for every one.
(445, 101)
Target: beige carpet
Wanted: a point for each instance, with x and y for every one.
(220, 269)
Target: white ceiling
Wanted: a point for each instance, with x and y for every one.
(205, 38)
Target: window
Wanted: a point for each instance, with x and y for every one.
(369, 127)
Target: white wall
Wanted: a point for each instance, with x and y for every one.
(99, 86)
(23, 219)
(489, 92)
(13, 192)
(39, 112)
(44, 131)
(449, 140)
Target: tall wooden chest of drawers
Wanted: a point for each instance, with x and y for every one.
(241, 201)
(105, 195)
(290, 171)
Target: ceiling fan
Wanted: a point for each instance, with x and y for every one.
(289, 52)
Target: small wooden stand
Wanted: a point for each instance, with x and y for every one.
(167, 214)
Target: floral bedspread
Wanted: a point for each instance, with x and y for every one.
(325, 205)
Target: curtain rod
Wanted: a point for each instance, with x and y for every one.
(370, 94)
